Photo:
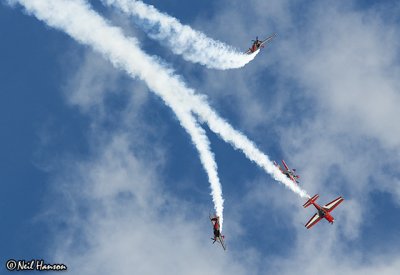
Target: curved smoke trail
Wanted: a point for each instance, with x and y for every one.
(193, 45)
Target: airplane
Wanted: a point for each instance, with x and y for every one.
(323, 212)
(257, 44)
(290, 173)
(217, 233)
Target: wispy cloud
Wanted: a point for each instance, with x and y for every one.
(130, 223)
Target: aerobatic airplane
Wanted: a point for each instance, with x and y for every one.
(290, 173)
(257, 44)
(323, 212)
(217, 233)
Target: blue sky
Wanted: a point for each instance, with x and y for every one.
(95, 167)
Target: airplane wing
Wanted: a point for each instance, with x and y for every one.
(267, 40)
(221, 241)
(293, 179)
(284, 164)
(248, 51)
(316, 218)
(332, 205)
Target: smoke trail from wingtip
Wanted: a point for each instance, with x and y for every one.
(193, 45)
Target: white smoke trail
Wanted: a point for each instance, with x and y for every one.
(193, 45)
(89, 28)
(77, 20)
(202, 144)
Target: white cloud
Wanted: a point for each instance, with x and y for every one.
(120, 209)
(348, 63)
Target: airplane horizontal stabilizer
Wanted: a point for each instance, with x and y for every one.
(310, 201)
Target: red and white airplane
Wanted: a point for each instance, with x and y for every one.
(217, 233)
(257, 44)
(323, 212)
(290, 173)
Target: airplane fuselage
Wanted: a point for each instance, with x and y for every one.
(289, 173)
(254, 47)
(323, 213)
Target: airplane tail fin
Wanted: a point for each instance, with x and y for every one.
(310, 201)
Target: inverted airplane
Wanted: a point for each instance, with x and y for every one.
(257, 44)
(290, 173)
(323, 211)
(217, 233)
